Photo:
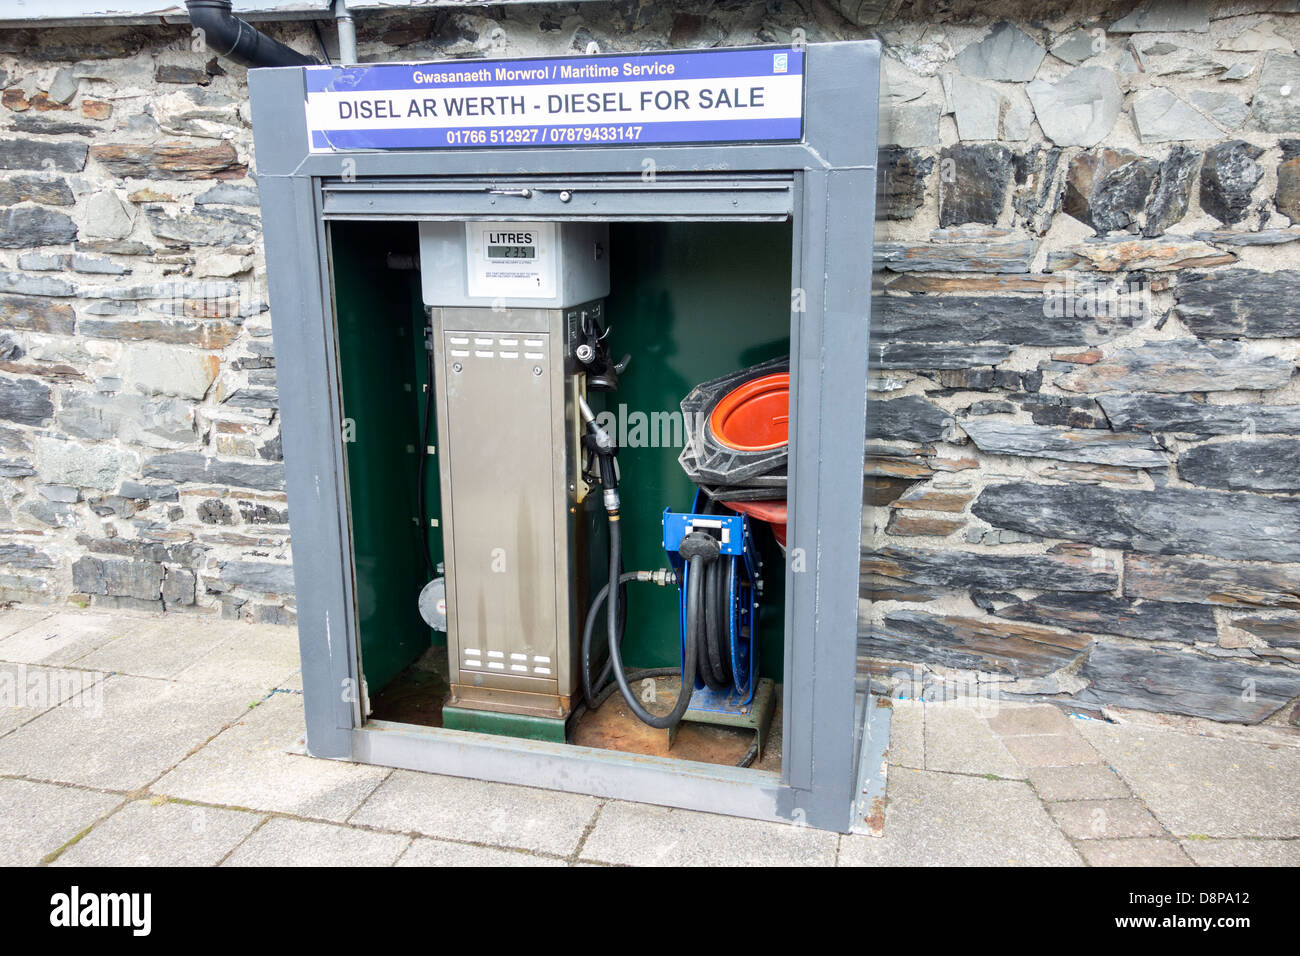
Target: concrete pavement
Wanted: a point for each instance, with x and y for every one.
(129, 739)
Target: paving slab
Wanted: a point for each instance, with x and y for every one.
(29, 690)
(262, 654)
(1104, 819)
(143, 727)
(1244, 852)
(958, 740)
(14, 619)
(425, 853)
(304, 843)
(644, 835)
(1093, 781)
(1013, 721)
(939, 819)
(907, 734)
(475, 811)
(249, 766)
(183, 686)
(1198, 786)
(154, 649)
(1051, 750)
(38, 818)
(1142, 851)
(146, 833)
(67, 636)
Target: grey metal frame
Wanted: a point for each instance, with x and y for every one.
(833, 172)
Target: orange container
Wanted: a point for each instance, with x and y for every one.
(755, 416)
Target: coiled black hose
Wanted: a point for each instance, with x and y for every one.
(716, 646)
(598, 691)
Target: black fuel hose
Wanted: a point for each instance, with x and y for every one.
(704, 650)
(693, 620)
(609, 689)
(723, 610)
(716, 646)
(595, 692)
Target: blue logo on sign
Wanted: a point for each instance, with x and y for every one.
(780, 62)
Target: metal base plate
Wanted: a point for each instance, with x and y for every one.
(525, 726)
(873, 720)
(726, 709)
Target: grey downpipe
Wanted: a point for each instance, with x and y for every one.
(347, 33)
(227, 35)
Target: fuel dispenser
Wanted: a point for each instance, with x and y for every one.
(512, 310)
(572, 359)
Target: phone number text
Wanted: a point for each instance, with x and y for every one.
(525, 135)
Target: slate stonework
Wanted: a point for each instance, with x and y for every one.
(1173, 189)
(1185, 415)
(1131, 450)
(1017, 320)
(966, 643)
(980, 569)
(900, 184)
(1239, 584)
(131, 294)
(1261, 464)
(1109, 188)
(1191, 684)
(1106, 614)
(1237, 303)
(1228, 175)
(1163, 521)
(1180, 366)
(973, 184)
(1082, 502)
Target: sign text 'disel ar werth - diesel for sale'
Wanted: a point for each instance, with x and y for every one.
(708, 96)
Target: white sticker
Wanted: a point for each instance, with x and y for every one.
(511, 259)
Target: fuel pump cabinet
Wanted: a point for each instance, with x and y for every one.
(508, 427)
(717, 214)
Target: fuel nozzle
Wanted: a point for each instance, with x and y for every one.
(604, 446)
(592, 352)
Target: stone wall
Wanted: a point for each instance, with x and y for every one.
(140, 457)
(1084, 445)
(1085, 449)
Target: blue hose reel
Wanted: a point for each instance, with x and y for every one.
(739, 564)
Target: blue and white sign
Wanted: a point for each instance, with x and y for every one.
(710, 96)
